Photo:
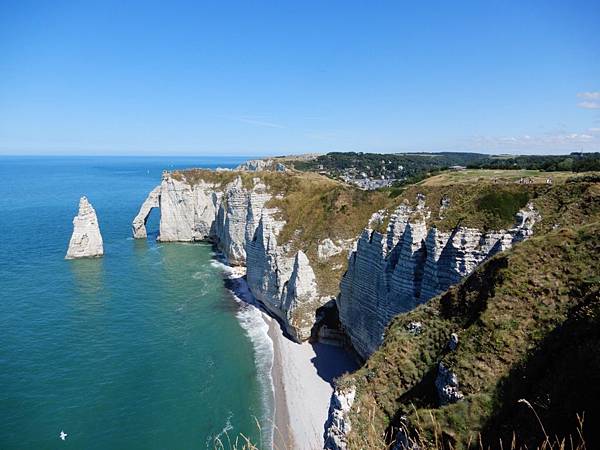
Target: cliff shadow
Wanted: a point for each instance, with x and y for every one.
(332, 361)
(560, 379)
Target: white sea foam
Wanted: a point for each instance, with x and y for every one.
(221, 266)
(252, 321)
(212, 440)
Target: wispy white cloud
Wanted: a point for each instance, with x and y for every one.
(589, 105)
(590, 140)
(259, 122)
(591, 100)
(589, 95)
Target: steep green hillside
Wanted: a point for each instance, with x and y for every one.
(528, 323)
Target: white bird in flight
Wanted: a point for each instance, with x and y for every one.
(63, 435)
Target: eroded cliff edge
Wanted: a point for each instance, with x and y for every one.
(277, 224)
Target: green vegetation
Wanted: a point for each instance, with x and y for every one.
(410, 167)
(497, 176)
(575, 162)
(484, 200)
(529, 327)
(317, 209)
(502, 204)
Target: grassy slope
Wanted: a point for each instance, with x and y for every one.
(477, 201)
(529, 327)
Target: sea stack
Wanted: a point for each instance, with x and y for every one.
(86, 240)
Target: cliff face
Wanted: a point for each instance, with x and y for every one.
(86, 240)
(523, 325)
(237, 219)
(393, 273)
(187, 212)
(286, 286)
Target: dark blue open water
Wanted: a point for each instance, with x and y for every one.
(141, 349)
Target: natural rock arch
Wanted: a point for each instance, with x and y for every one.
(139, 223)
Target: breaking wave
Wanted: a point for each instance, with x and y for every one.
(252, 321)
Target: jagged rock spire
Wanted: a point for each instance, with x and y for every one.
(86, 240)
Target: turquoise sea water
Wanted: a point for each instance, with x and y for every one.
(140, 349)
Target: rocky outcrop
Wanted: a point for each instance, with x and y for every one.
(453, 342)
(338, 426)
(86, 240)
(327, 248)
(300, 296)
(187, 212)
(286, 286)
(393, 273)
(237, 219)
(446, 384)
(139, 223)
(257, 165)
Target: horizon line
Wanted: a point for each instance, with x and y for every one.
(255, 156)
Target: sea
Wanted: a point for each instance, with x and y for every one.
(144, 348)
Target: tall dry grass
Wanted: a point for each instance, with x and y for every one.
(417, 439)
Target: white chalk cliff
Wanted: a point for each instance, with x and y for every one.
(236, 218)
(257, 165)
(393, 273)
(86, 240)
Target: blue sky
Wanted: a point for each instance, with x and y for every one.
(256, 77)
